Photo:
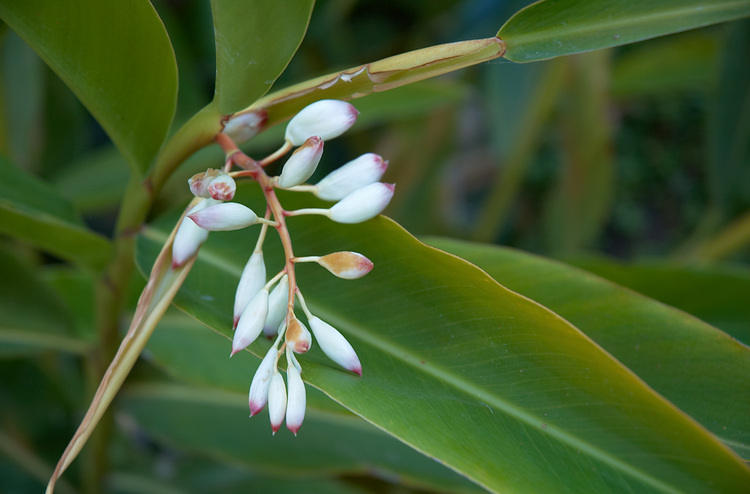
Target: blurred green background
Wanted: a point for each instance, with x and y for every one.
(631, 162)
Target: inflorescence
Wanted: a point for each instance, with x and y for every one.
(268, 306)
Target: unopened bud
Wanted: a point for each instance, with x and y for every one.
(302, 163)
(277, 307)
(365, 170)
(189, 236)
(251, 322)
(252, 280)
(224, 217)
(222, 188)
(258, 396)
(276, 401)
(362, 204)
(326, 119)
(213, 183)
(346, 265)
(245, 126)
(334, 345)
(296, 399)
(199, 182)
(297, 337)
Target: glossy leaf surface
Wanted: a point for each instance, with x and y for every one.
(115, 56)
(180, 342)
(697, 367)
(686, 287)
(552, 28)
(490, 383)
(254, 42)
(32, 211)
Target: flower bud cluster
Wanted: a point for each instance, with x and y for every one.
(267, 306)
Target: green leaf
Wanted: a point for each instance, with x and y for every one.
(695, 366)
(254, 42)
(383, 75)
(552, 28)
(353, 445)
(115, 56)
(32, 211)
(685, 287)
(32, 315)
(488, 382)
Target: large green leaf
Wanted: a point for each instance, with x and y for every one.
(32, 211)
(115, 56)
(353, 444)
(697, 367)
(686, 287)
(490, 383)
(552, 28)
(254, 42)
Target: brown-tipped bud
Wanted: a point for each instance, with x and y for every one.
(245, 126)
(346, 265)
(298, 337)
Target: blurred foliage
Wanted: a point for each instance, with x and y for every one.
(637, 152)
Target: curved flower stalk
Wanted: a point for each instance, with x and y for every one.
(268, 305)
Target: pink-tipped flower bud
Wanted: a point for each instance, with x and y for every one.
(365, 170)
(277, 307)
(213, 183)
(297, 337)
(258, 396)
(224, 217)
(276, 401)
(335, 346)
(346, 265)
(362, 204)
(251, 322)
(222, 188)
(189, 236)
(245, 126)
(252, 280)
(302, 163)
(296, 399)
(326, 119)
(198, 183)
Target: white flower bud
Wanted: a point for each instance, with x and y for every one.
(296, 403)
(258, 396)
(297, 336)
(276, 401)
(362, 204)
(225, 216)
(222, 187)
(251, 322)
(326, 119)
(346, 265)
(365, 170)
(252, 280)
(335, 346)
(277, 306)
(302, 163)
(245, 126)
(189, 236)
